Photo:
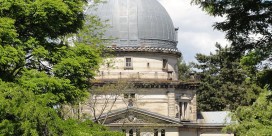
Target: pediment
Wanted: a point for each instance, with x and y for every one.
(133, 116)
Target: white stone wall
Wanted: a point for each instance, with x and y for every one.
(154, 100)
(145, 66)
(172, 132)
(157, 100)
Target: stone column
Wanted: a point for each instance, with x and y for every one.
(183, 111)
(171, 103)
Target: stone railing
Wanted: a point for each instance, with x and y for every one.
(136, 75)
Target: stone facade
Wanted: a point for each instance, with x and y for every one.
(138, 90)
(161, 99)
(144, 65)
(147, 105)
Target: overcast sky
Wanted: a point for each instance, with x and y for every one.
(196, 34)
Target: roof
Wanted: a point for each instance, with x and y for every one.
(214, 117)
(137, 23)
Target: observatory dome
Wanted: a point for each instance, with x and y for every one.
(136, 23)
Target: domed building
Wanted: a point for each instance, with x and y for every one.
(144, 38)
(147, 99)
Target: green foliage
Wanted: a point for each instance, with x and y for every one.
(264, 78)
(7, 30)
(40, 71)
(184, 70)
(87, 128)
(26, 112)
(78, 64)
(224, 83)
(40, 83)
(254, 120)
(248, 26)
(44, 18)
(244, 20)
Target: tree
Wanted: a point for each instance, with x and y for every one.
(248, 27)
(224, 83)
(247, 23)
(40, 71)
(104, 98)
(255, 119)
(184, 70)
(23, 112)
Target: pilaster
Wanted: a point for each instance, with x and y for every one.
(171, 103)
(194, 107)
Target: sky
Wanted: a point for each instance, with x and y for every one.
(196, 34)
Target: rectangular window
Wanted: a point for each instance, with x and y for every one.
(163, 132)
(130, 132)
(169, 76)
(132, 95)
(156, 132)
(128, 63)
(164, 64)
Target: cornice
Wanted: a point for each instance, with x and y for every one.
(145, 49)
(192, 85)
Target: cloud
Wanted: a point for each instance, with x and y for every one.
(196, 34)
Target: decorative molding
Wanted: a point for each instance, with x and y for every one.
(137, 116)
(130, 119)
(185, 96)
(145, 49)
(152, 84)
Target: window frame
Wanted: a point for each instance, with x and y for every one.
(130, 132)
(127, 67)
(164, 64)
(162, 132)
